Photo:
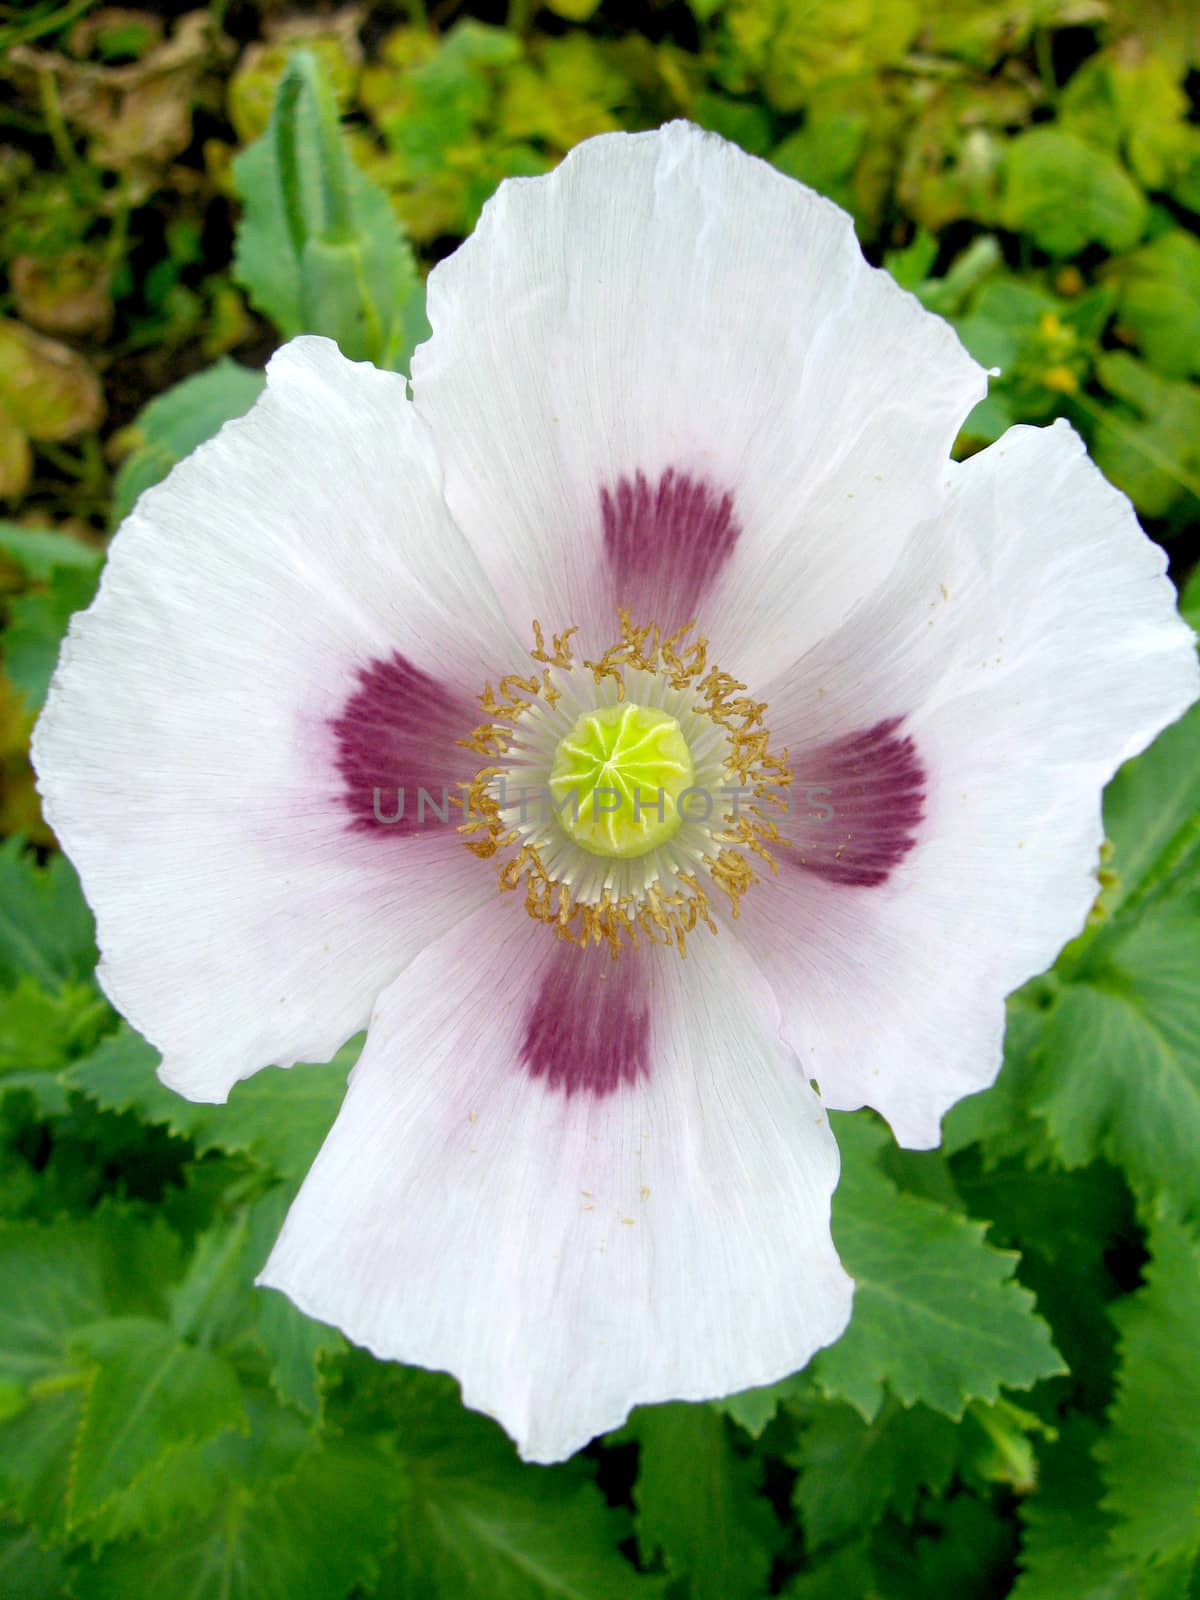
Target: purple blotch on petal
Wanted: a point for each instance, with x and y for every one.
(856, 806)
(396, 734)
(587, 1030)
(666, 543)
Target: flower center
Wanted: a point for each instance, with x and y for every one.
(617, 777)
(579, 755)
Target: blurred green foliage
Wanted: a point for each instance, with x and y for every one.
(1031, 170)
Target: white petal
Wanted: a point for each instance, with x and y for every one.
(1026, 648)
(186, 754)
(663, 303)
(570, 1255)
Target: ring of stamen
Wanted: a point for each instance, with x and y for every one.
(635, 885)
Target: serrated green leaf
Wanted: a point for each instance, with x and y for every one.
(150, 1395)
(42, 1029)
(997, 1119)
(311, 1536)
(473, 1520)
(45, 925)
(176, 422)
(1067, 1546)
(58, 1279)
(1152, 818)
(61, 1276)
(297, 1346)
(278, 1117)
(1120, 1056)
(213, 1302)
(35, 1454)
(1150, 1454)
(1069, 1226)
(119, 1075)
(853, 1472)
(188, 1484)
(698, 1509)
(216, 1301)
(937, 1315)
(754, 1409)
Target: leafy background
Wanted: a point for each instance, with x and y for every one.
(1015, 1408)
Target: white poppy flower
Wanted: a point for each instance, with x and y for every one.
(672, 506)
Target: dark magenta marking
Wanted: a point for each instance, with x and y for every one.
(588, 1029)
(395, 737)
(862, 819)
(666, 543)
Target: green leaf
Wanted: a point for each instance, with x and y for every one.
(848, 1571)
(176, 422)
(120, 1075)
(1189, 601)
(698, 1506)
(1121, 1054)
(937, 1316)
(825, 152)
(852, 1473)
(1131, 102)
(1152, 818)
(45, 925)
(1119, 1059)
(1159, 301)
(213, 1302)
(743, 122)
(151, 1394)
(72, 1275)
(1067, 194)
(754, 1409)
(278, 1117)
(37, 625)
(28, 1571)
(1070, 1228)
(1067, 1546)
(350, 276)
(42, 1029)
(474, 1521)
(1149, 444)
(39, 552)
(1151, 1452)
(216, 1302)
(964, 1548)
(1045, 347)
(311, 1536)
(299, 1348)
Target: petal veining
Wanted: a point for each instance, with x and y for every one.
(667, 362)
(187, 754)
(570, 1255)
(1027, 646)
